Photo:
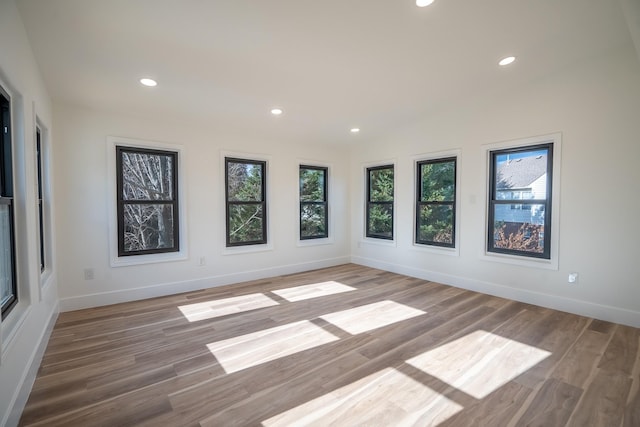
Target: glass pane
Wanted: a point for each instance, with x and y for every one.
(380, 220)
(436, 224)
(312, 184)
(244, 181)
(312, 221)
(148, 227)
(147, 176)
(519, 227)
(6, 255)
(6, 175)
(438, 182)
(41, 223)
(381, 185)
(245, 223)
(39, 161)
(521, 175)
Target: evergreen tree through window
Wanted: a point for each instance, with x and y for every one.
(313, 202)
(379, 221)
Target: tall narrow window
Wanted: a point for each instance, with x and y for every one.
(40, 198)
(380, 202)
(520, 201)
(313, 202)
(436, 202)
(246, 203)
(147, 185)
(8, 282)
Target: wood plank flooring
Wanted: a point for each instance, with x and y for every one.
(345, 346)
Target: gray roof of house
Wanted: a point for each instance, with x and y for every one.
(521, 173)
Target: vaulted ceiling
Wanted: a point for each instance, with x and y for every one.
(331, 65)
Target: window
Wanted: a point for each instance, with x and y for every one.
(313, 202)
(380, 202)
(147, 192)
(520, 201)
(41, 219)
(8, 282)
(436, 202)
(246, 206)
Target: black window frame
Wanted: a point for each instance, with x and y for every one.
(420, 203)
(390, 204)
(324, 202)
(40, 168)
(174, 202)
(7, 194)
(547, 202)
(262, 202)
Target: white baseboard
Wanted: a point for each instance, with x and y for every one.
(163, 289)
(582, 308)
(22, 393)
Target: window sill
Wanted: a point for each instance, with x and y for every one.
(440, 250)
(148, 259)
(11, 327)
(315, 242)
(238, 250)
(546, 264)
(377, 242)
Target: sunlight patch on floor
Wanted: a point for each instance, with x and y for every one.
(479, 363)
(371, 316)
(386, 397)
(226, 306)
(245, 351)
(315, 290)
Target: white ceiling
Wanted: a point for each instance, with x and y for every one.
(331, 65)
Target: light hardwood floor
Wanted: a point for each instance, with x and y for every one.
(347, 345)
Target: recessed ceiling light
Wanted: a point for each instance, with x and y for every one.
(355, 130)
(149, 82)
(423, 3)
(276, 111)
(506, 61)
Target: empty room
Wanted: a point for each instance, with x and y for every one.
(291, 213)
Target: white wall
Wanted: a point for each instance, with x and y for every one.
(24, 332)
(82, 209)
(596, 107)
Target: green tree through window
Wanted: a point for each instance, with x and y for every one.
(245, 201)
(313, 202)
(436, 202)
(380, 202)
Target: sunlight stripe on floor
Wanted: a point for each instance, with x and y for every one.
(371, 316)
(315, 290)
(222, 307)
(386, 397)
(245, 351)
(479, 363)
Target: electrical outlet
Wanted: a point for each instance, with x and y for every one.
(89, 274)
(573, 277)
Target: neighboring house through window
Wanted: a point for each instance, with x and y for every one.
(8, 282)
(379, 209)
(314, 222)
(436, 202)
(520, 201)
(246, 204)
(147, 192)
